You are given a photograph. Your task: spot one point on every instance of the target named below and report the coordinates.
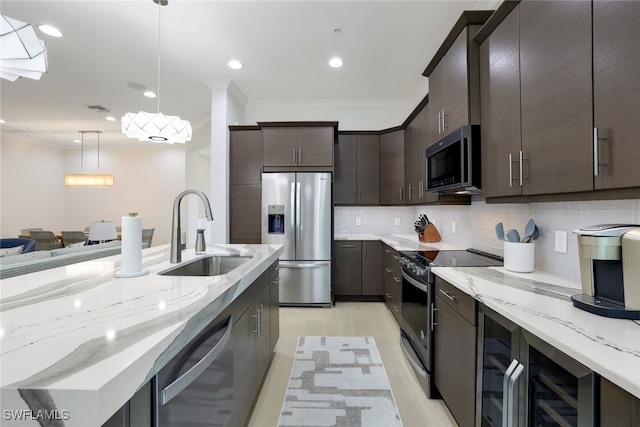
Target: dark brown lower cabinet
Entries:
(348, 273)
(372, 268)
(358, 268)
(455, 351)
(392, 281)
(617, 406)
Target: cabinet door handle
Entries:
(183, 381)
(510, 170)
(396, 308)
(401, 193)
(433, 316)
(410, 196)
(439, 129)
(261, 318)
(347, 246)
(294, 156)
(448, 295)
(506, 397)
(444, 126)
(521, 159)
(387, 270)
(388, 296)
(359, 194)
(299, 155)
(596, 169)
(596, 152)
(397, 279)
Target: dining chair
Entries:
(70, 237)
(26, 231)
(147, 236)
(45, 240)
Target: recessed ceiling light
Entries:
(235, 64)
(336, 63)
(78, 141)
(50, 31)
(2, 121)
(110, 118)
(149, 94)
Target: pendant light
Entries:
(88, 179)
(156, 127)
(22, 54)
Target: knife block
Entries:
(430, 235)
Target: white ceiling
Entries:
(284, 46)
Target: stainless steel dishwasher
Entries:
(196, 387)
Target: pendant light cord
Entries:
(159, 32)
(82, 152)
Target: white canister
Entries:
(519, 257)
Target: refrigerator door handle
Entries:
(313, 264)
(298, 229)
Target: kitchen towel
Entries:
(131, 264)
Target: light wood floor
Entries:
(348, 319)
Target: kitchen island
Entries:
(76, 343)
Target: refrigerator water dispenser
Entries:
(276, 219)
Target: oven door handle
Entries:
(405, 349)
(414, 282)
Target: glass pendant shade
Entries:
(156, 127)
(22, 54)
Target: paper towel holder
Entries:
(128, 274)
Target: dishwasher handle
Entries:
(182, 382)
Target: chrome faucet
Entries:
(176, 232)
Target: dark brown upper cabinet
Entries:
(245, 155)
(500, 133)
(556, 97)
(416, 135)
(392, 191)
(559, 100)
(357, 169)
(454, 98)
(285, 145)
(616, 97)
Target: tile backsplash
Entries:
(474, 225)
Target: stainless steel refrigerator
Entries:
(296, 213)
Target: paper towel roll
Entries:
(131, 265)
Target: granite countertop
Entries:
(399, 242)
(541, 304)
(80, 340)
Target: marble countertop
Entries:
(541, 304)
(399, 242)
(80, 340)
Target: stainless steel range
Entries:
(416, 331)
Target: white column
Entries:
(227, 107)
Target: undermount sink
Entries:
(211, 265)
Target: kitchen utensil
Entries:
(536, 233)
(529, 229)
(513, 235)
(500, 231)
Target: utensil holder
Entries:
(430, 234)
(519, 257)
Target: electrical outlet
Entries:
(358, 221)
(396, 220)
(561, 241)
(453, 227)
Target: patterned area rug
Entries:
(338, 381)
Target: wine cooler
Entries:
(524, 381)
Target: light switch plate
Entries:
(396, 220)
(561, 241)
(358, 221)
(453, 227)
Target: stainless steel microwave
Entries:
(453, 163)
